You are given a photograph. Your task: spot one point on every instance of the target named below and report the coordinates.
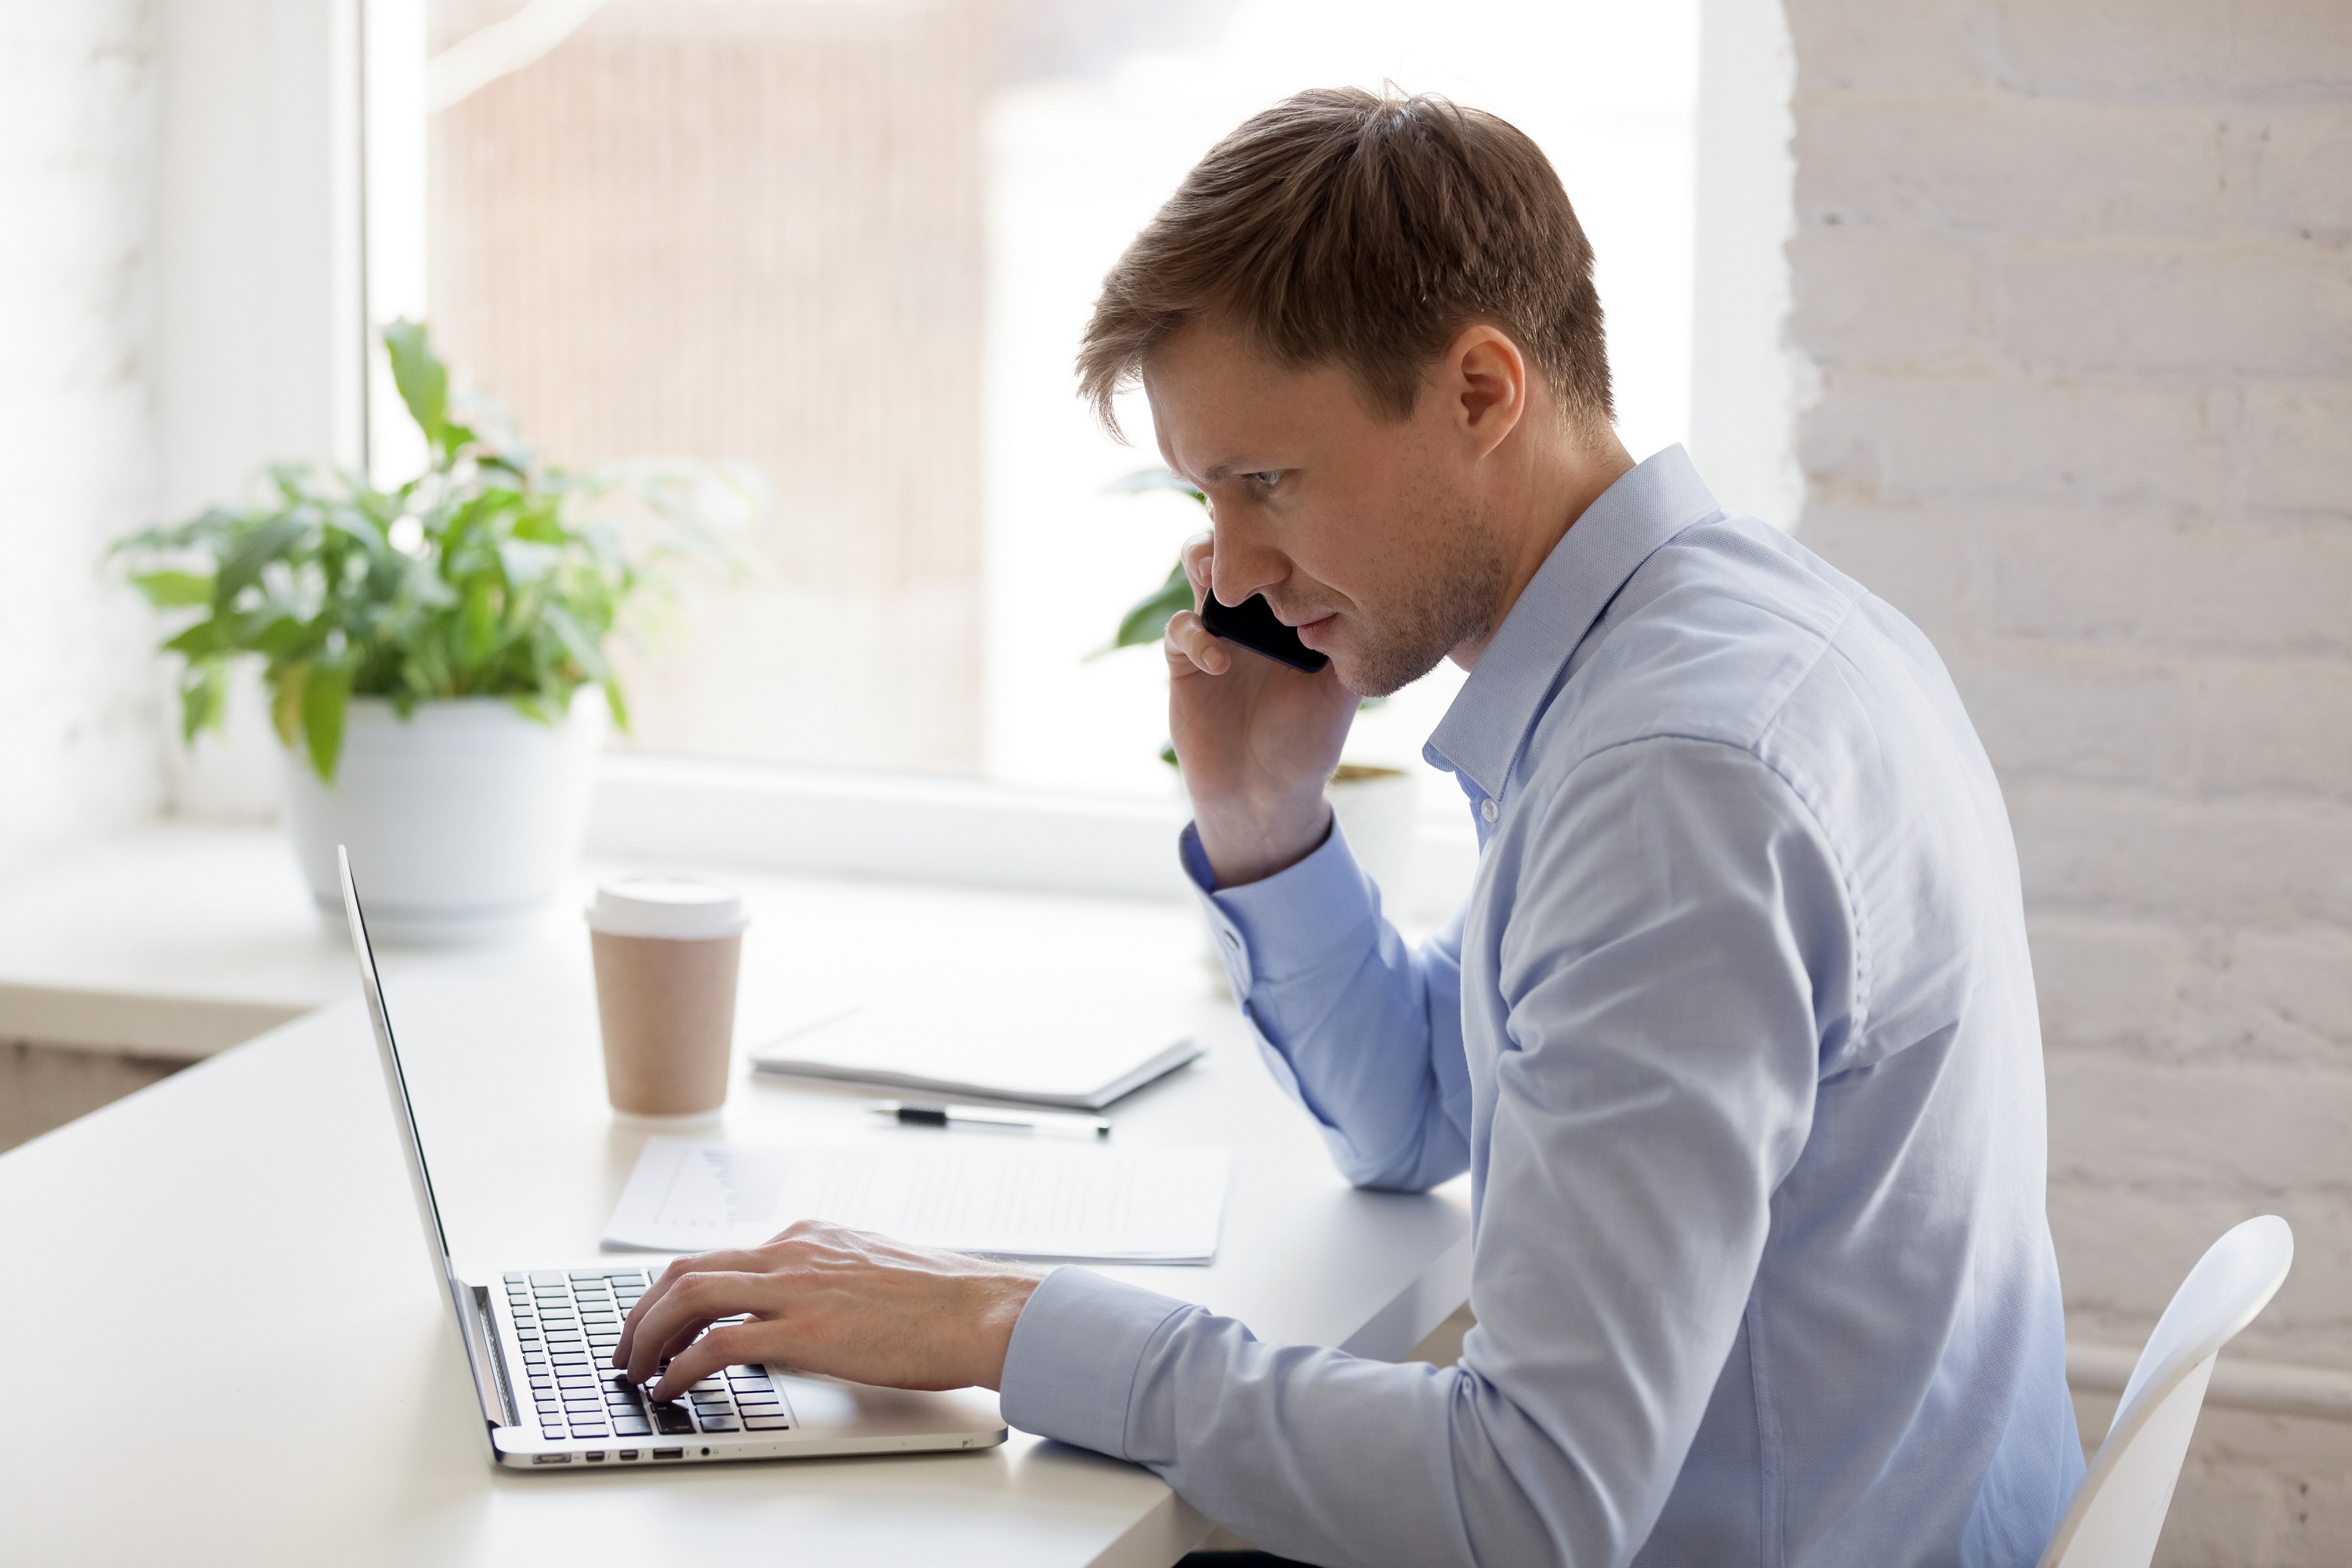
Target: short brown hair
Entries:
(1362, 229)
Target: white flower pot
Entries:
(463, 821)
(1376, 810)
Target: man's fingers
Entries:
(680, 1268)
(693, 1300)
(719, 1348)
(1192, 645)
(1198, 553)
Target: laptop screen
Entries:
(403, 1113)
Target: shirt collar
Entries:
(1481, 734)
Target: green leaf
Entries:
(1147, 621)
(326, 697)
(170, 590)
(282, 637)
(423, 380)
(275, 540)
(576, 642)
(208, 639)
(204, 698)
(286, 684)
(618, 703)
(477, 626)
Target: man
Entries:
(1735, 1036)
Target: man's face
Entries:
(1371, 535)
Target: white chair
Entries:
(2119, 1511)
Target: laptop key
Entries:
(671, 1418)
(632, 1429)
(766, 1423)
(721, 1423)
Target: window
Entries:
(853, 241)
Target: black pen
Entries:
(915, 1113)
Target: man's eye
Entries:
(1266, 478)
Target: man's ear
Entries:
(1485, 377)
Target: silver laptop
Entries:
(540, 1342)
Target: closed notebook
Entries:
(1080, 1054)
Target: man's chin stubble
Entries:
(1460, 610)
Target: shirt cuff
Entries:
(1290, 922)
(1077, 1347)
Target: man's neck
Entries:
(1554, 491)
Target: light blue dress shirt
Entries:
(1736, 1039)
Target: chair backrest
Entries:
(2119, 1511)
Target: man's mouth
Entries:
(1312, 632)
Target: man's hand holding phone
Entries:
(1256, 738)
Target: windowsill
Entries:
(177, 941)
(908, 827)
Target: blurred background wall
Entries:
(2075, 281)
(80, 101)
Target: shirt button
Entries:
(1232, 944)
(1489, 810)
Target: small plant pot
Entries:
(463, 820)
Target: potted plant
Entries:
(434, 654)
(1373, 803)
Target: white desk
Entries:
(230, 1348)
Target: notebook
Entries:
(1080, 1055)
(1064, 1202)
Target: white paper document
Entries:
(1013, 1200)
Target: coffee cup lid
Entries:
(664, 905)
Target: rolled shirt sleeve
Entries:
(1676, 936)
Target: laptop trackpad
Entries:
(818, 1404)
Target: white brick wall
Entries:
(79, 728)
(2076, 276)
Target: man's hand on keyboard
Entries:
(822, 1298)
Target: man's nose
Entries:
(1241, 566)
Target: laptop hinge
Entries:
(482, 1352)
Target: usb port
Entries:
(550, 1458)
(669, 1453)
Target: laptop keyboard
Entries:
(569, 1323)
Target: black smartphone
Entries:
(1252, 624)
